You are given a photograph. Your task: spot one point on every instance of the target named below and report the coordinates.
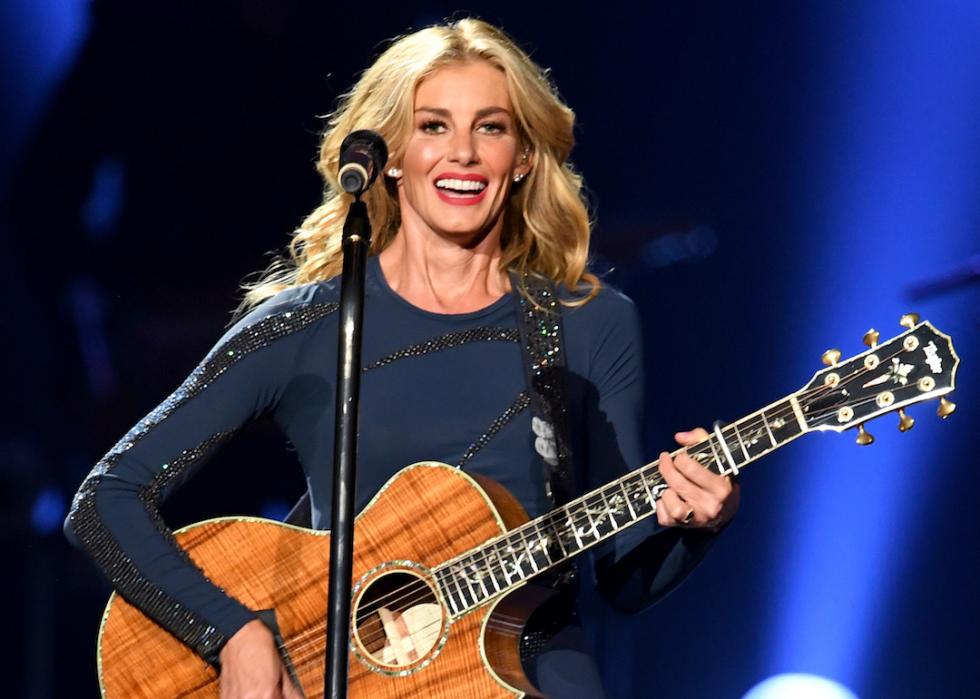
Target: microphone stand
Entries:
(356, 243)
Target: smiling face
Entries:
(462, 155)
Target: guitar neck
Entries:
(917, 365)
(502, 564)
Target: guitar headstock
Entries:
(915, 366)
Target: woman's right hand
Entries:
(251, 667)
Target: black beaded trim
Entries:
(518, 406)
(99, 542)
(447, 341)
(187, 626)
(219, 360)
(152, 494)
(539, 315)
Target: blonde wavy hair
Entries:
(546, 224)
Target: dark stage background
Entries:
(770, 179)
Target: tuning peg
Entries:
(871, 338)
(905, 422)
(946, 408)
(830, 357)
(909, 320)
(864, 437)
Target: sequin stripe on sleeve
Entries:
(122, 572)
(87, 525)
(218, 361)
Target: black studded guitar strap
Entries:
(543, 347)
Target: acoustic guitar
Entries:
(443, 559)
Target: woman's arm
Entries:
(114, 516)
(647, 561)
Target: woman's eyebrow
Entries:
(487, 111)
(445, 113)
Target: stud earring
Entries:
(519, 176)
(394, 172)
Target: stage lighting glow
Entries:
(104, 204)
(48, 511)
(896, 168)
(799, 686)
(673, 248)
(274, 509)
(39, 43)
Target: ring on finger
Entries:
(688, 517)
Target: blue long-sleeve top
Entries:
(433, 387)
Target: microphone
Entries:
(363, 155)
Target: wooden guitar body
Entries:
(427, 514)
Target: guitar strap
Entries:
(539, 321)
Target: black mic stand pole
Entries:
(356, 243)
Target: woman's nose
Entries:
(462, 150)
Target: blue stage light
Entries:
(275, 509)
(38, 44)
(48, 511)
(894, 165)
(799, 686)
(102, 209)
(676, 247)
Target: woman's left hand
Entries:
(696, 497)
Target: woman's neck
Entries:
(442, 275)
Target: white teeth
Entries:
(461, 185)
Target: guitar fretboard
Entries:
(502, 564)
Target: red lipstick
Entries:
(461, 197)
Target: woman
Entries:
(479, 204)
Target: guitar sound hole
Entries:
(397, 619)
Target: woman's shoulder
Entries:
(303, 295)
(601, 332)
(609, 307)
(290, 310)
(298, 298)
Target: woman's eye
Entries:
(433, 126)
(493, 127)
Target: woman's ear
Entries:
(523, 168)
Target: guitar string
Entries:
(702, 448)
(419, 586)
(656, 477)
(486, 550)
(658, 480)
(379, 635)
(369, 639)
(368, 635)
(412, 588)
(489, 564)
